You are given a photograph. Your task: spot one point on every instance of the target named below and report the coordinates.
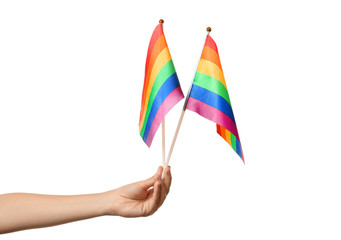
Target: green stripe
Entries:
(166, 71)
(211, 84)
(233, 142)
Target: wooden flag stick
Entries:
(183, 112)
(175, 135)
(163, 144)
(163, 129)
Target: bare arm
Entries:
(19, 211)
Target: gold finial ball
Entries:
(208, 29)
(161, 21)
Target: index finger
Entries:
(167, 178)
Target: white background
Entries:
(71, 76)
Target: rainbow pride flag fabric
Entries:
(209, 96)
(161, 89)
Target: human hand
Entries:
(140, 199)
(21, 211)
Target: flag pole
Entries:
(163, 127)
(183, 110)
(163, 144)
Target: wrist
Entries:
(108, 202)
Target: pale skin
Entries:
(20, 211)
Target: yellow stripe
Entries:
(211, 55)
(211, 69)
(160, 61)
(228, 136)
(159, 45)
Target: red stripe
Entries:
(218, 130)
(210, 43)
(158, 31)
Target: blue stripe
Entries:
(212, 99)
(238, 147)
(167, 87)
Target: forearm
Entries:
(19, 211)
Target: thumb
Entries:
(146, 184)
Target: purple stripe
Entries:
(172, 99)
(212, 114)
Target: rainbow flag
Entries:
(161, 89)
(209, 96)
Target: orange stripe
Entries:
(158, 31)
(224, 133)
(159, 45)
(211, 55)
(161, 60)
